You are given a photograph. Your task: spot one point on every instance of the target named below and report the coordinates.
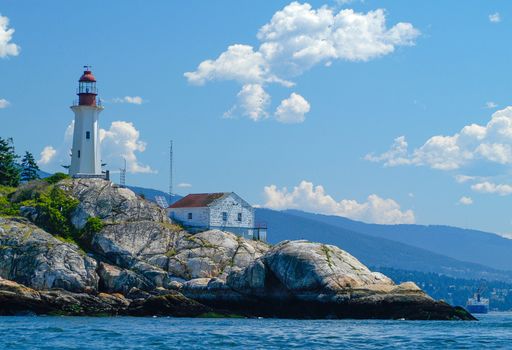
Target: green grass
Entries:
(170, 253)
(327, 252)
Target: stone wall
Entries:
(232, 205)
(200, 216)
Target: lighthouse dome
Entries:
(87, 77)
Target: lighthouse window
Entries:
(78, 153)
(87, 135)
(224, 216)
(239, 216)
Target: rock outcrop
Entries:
(109, 202)
(37, 259)
(301, 279)
(16, 299)
(169, 248)
(140, 263)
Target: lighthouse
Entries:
(85, 152)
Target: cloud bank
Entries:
(296, 39)
(492, 188)
(47, 155)
(136, 100)
(122, 140)
(4, 103)
(7, 48)
(465, 200)
(495, 17)
(472, 144)
(314, 199)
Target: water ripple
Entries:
(129, 333)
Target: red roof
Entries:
(198, 200)
(87, 77)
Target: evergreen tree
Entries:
(29, 168)
(9, 170)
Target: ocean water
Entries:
(493, 331)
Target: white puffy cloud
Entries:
(492, 188)
(312, 198)
(292, 110)
(397, 154)
(491, 105)
(464, 178)
(253, 101)
(239, 62)
(184, 185)
(299, 37)
(491, 143)
(495, 17)
(136, 100)
(465, 200)
(7, 48)
(122, 140)
(47, 155)
(4, 103)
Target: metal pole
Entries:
(170, 171)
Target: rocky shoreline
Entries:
(140, 263)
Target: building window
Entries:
(87, 135)
(239, 216)
(224, 216)
(78, 153)
(190, 216)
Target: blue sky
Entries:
(360, 81)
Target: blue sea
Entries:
(493, 331)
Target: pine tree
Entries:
(29, 168)
(9, 170)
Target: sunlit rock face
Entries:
(35, 258)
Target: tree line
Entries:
(13, 172)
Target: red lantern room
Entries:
(87, 88)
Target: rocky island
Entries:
(90, 247)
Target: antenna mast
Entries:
(122, 175)
(170, 171)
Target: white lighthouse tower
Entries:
(85, 154)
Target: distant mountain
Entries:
(455, 291)
(462, 244)
(372, 250)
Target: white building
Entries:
(85, 152)
(224, 211)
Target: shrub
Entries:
(93, 225)
(30, 191)
(53, 179)
(55, 211)
(7, 208)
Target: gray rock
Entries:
(109, 202)
(211, 254)
(116, 280)
(301, 267)
(18, 299)
(168, 248)
(33, 257)
(30, 213)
